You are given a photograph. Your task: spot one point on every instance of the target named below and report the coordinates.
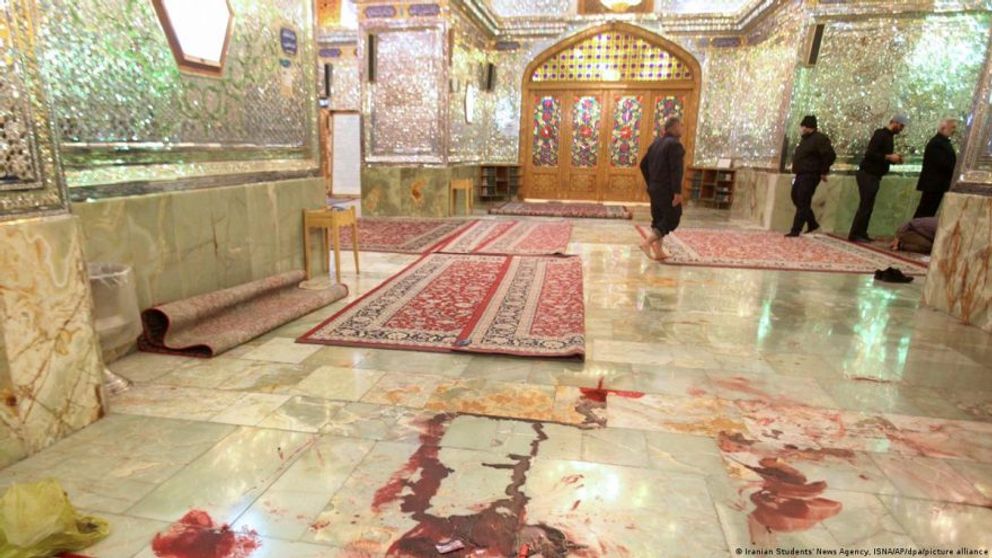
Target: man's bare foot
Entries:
(648, 249)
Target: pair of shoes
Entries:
(892, 275)
(792, 235)
(856, 238)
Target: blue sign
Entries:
(288, 39)
(425, 10)
(380, 11)
(329, 52)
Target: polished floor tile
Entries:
(716, 409)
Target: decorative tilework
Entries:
(613, 57)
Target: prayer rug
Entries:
(511, 237)
(760, 249)
(560, 209)
(404, 235)
(209, 324)
(516, 305)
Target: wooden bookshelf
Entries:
(499, 182)
(711, 186)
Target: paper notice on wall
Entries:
(286, 88)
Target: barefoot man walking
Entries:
(662, 170)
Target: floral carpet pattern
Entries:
(519, 305)
(560, 209)
(404, 235)
(760, 249)
(511, 237)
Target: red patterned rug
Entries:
(404, 235)
(525, 238)
(517, 305)
(561, 209)
(759, 249)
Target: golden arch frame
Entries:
(691, 87)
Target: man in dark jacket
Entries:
(810, 163)
(939, 159)
(879, 155)
(662, 170)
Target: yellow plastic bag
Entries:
(37, 521)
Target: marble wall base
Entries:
(50, 368)
(186, 243)
(766, 198)
(960, 279)
(390, 191)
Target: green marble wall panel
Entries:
(927, 66)
(959, 281)
(769, 202)
(119, 97)
(52, 373)
(391, 191)
(182, 244)
(381, 191)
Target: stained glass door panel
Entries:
(665, 106)
(627, 143)
(586, 131)
(546, 145)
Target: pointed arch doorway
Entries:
(592, 104)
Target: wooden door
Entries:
(627, 140)
(586, 154)
(545, 147)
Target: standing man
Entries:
(879, 156)
(662, 170)
(938, 169)
(811, 164)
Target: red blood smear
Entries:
(498, 528)
(195, 536)
(599, 393)
(786, 501)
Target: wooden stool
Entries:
(331, 221)
(466, 185)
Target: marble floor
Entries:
(717, 409)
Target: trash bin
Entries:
(115, 312)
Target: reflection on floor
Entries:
(717, 408)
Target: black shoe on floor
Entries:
(863, 239)
(892, 275)
(812, 230)
(792, 235)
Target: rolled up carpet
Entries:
(209, 324)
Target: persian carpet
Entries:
(404, 235)
(760, 249)
(209, 324)
(511, 237)
(562, 209)
(517, 305)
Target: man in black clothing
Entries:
(879, 155)
(662, 170)
(938, 169)
(810, 163)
